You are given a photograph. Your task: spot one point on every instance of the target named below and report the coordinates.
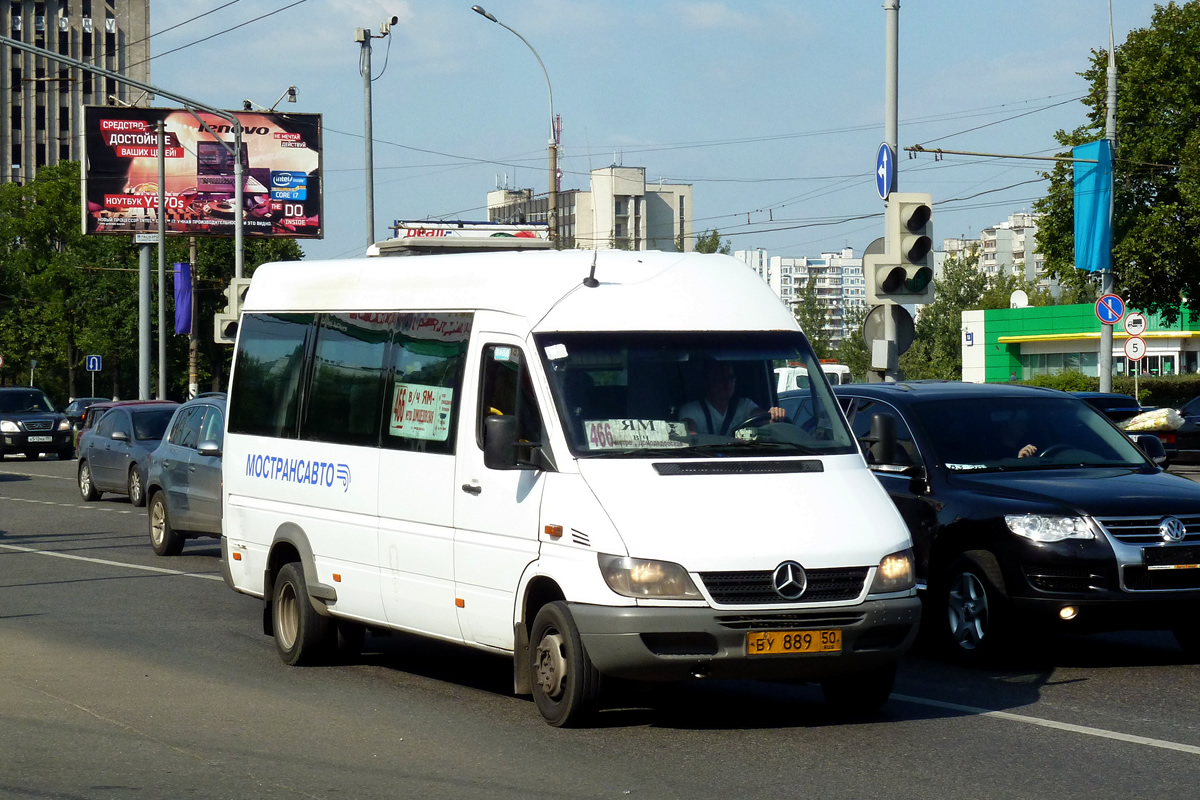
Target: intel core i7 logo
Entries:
(287, 185)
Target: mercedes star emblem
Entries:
(789, 580)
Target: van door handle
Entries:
(469, 489)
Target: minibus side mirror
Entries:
(500, 442)
(1152, 446)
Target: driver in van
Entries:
(721, 410)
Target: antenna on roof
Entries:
(590, 281)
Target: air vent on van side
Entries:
(581, 538)
(736, 467)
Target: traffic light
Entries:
(904, 272)
(225, 323)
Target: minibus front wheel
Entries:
(300, 632)
(566, 686)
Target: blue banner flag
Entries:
(183, 298)
(1093, 206)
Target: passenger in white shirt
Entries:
(720, 411)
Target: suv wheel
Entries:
(975, 613)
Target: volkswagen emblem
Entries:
(1170, 529)
(789, 580)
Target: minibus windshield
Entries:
(685, 394)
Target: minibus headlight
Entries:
(895, 573)
(1048, 528)
(637, 577)
(8, 426)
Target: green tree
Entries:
(711, 243)
(813, 315)
(852, 351)
(1157, 175)
(937, 342)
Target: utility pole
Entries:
(193, 339)
(892, 138)
(1106, 277)
(364, 36)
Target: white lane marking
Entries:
(37, 475)
(69, 505)
(205, 575)
(1049, 723)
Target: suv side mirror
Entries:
(883, 439)
(209, 448)
(1152, 446)
(500, 442)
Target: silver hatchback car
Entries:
(183, 483)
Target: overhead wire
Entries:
(218, 33)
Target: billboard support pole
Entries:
(162, 261)
(144, 322)
(188, 103)
(193, 340)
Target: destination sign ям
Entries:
(280, 156)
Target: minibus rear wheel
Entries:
(300, 632)
(566, 686)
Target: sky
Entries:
(773, 111)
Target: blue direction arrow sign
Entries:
(885, 169)
(93, 363)
(1110, 309)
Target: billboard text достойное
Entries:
(281, 172)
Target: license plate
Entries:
(762, 643)
(40, 439)
(1173, 557)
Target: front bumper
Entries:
(643, 643)
(19, 442)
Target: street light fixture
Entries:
(552, 204)
(290, 94)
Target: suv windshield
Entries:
(686, 394)
(992, 434)
(15, 402)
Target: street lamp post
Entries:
(552, 204)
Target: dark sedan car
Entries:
(76, 410)
(1027, 508)
(29, 425)
(113, 453)
(1186, 439)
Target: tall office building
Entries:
(41, 100)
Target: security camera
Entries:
(386, 27)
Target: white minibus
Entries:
(795, 376)
(572, 459)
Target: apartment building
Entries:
(42, 99)
(837, 280)
(619, 211)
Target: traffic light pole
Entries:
(891, 135)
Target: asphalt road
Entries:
(127, 675)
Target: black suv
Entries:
(1027, 507)
(30, 425)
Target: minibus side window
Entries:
(264, 399)
(427, 363)
(346, 389)
(505, 388)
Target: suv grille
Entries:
(36, 426)
(751, 588)
(1144, 530)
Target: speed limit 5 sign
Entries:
(1135, 348)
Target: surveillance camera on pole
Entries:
(903, 273)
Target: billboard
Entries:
(281, 173)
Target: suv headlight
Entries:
(637, 577)
(895, 573)
(8, 426)
(1048, 528)
(64, 424)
